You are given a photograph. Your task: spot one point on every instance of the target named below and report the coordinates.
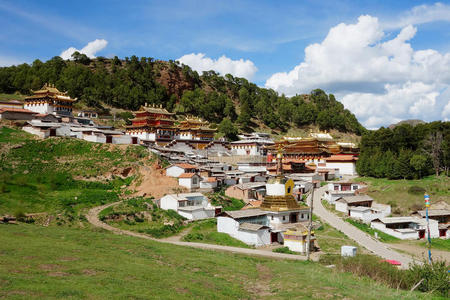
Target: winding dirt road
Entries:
(92, 217)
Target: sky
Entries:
(386, 61)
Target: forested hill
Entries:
(133, 81)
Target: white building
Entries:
(189, 180)
(297, 240)
(343, 204)
(346, 164)
(178, 169)
(249, 226)
(208, 183)
(192, 206)
(406, 228)
(367, 214)
(338, 190)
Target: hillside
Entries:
(127, 84)
(62, 176)
(69, 263)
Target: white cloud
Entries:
(379, 80)
(223, 65)
(420, 15)
(90, 49)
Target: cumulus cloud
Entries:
(90, 49)
(380, 80)
(223, 65)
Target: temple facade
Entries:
(153, 124)
(49, 100)
(195, 129)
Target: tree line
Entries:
(405, 152)
(230, 102)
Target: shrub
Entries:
(416, 190)
(435, 277)
(284, 250)
(191, 237)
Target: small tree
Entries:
(434, 142)
(419, 163)
(227, 128)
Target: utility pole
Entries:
(427, 204)
(308, 250)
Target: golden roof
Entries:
(154, 110)
(50, 91)
(280, 203)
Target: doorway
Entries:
(293, 217)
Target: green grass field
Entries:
(142, 215)
(60, 176)
(73, 263)
(406, 196)
(438, 244)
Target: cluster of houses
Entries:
(280, 217)
(349, 198)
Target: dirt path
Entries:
(420, 252)
(365, 240)
(92, 217)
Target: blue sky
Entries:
(262, 40)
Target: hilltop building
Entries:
(49, 100)
(153, 124)
(195, 129)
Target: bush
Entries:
(284, 250)
(435, 277)
(416, 190)
(193, 237)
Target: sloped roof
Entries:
(355, 199)
(187, 175)
(251, 226)
(20, 110)
(186, 166)
(434, 212)
(247, 213)
(341, 158)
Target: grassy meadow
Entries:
(142, 215)
(406, 196)
(60, 176)
(73, 263)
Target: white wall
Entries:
(36, 131)
(40, 108)
(174, 171)
(275, 189)
(295, 245)
(341, 206)
(345, 168)
(167, 202)
(124, 139)
(198, 214)
(242, 149)
(231, 227)
(188, 182)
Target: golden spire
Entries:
(280, 160)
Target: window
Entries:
(289, 190)
(271, 217)
(284, 218)
(194, 180)
(355, 187)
